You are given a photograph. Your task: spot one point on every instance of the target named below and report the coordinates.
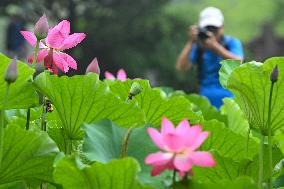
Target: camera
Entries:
(202, 34)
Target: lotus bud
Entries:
(135, 89)
(93, 67)
(274, 74)
(41, 28)
(11, 74)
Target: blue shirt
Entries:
(209, 76)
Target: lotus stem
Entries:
(270, 138)
(68, 146)
(261, 154)
(43, 115)
(124, 147)
(28, 119)
(35, 53)
(43, 186)
(174, 178)
(2, 134)
(247, 147)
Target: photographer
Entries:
(207, 46)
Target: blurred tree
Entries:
(278, 17)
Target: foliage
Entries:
(97, 146)
(21, 93)
(239, 183)
(250, 21)
(103, 126)
(118, 174)
(202, 104)
(251, 85)
(227, 142)
(85, 99)
(149, 44)
(235, 117)
(155, 104)
(30, 157)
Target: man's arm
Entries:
(183, 63)
(215, 46)
(226, 54)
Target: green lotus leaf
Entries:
(21, 93)
(86, 99)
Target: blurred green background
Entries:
(145, 36)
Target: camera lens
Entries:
(202, 33)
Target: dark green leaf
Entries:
(202, 104)
(27, 155)
(117, 174)
(103, 142)
(228, 143)
(229, 169)
(21, 93)
(239, 183)
(85, 98)
(155, 103)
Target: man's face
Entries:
(217, 31)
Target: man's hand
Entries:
(211, 42)
(193, 33)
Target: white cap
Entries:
(211, 16)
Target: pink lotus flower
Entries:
(178, 147)
(57, 40)
(11, 74)
(121, 75)
(41, 28)
(93, 67)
